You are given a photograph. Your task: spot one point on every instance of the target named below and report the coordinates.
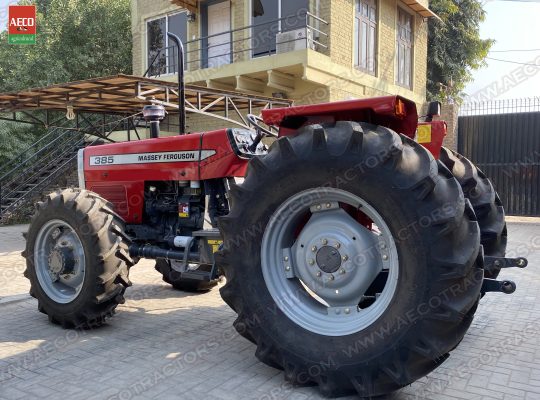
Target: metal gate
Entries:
(503, 139)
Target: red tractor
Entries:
(354, 256)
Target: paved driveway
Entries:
(166, 344)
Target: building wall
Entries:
(329, 74)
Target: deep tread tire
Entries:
(438, 244)
(486, 204)
(173, 278)
(101, 232)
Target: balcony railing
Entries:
(252, 41)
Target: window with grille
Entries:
(404, 48)
(365, 35)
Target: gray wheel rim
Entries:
(319, 276)
(59, 261)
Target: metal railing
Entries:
(502, 106)
(37, 167)
(197, 54)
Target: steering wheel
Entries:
(255, 121)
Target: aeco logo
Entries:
(22, 25)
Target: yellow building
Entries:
(311, 51)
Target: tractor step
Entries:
(198, 275)
(493, 285)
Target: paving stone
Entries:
(163, 341)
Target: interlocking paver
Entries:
(164, 344)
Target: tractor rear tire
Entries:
(77, 237)
(435, 253)
(173, 278)
(486, 204)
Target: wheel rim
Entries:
(321, 275)
(59, 261)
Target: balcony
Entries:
(262, 58)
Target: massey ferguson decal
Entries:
(151, 158)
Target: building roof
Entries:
(126, 94)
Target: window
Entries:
(271, 17)
(404, 48)
(159, 61)
(365, 35)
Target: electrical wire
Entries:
(512, 50)
(512, 62)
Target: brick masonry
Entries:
(347, 82)
(449, 113)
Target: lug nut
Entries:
(311, 262)
(342, 271)
(314, 249)
(338, 245)
(331, 277)
(345, 258)
(338, 311)
(347, 311)
(337, 291)
(319, 274)
(318, 207)
(286, 258)
(287, 268)
(383, 245)
(328, 205)
(385, 257)
(324, 241)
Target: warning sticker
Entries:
(423, 134)
(215, 244)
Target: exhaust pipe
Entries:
(153, 114)
(181, 83)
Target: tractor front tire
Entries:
(486, 203)
(77, 259)
(310, 197)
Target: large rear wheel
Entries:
(486, 204)
(351, 258)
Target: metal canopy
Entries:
(126, 94)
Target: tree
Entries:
(454, 47)
(77, 39)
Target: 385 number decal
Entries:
(102, 160)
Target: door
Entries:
(219, 47)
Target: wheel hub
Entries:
(328, 259)
(346, 263)
(319, 271)
(61, 261)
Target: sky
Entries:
(515, 25)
